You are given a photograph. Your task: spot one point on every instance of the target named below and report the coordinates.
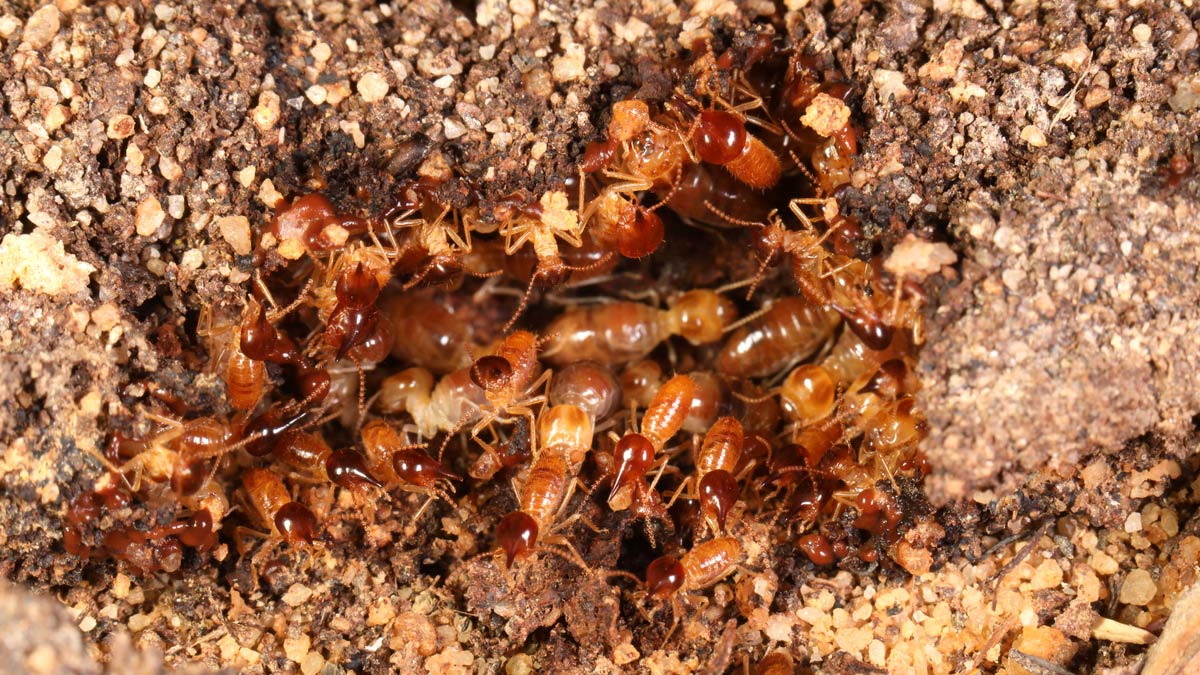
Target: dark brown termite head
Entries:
(598, 154)
(418, 468)
(188, 477)
(870, 328)
(817, 548)
(357, 287)
(262, 342)
(516, 534)
(491, 373)
(551, 272)
(664, 577)
(296, 523)
(718, 493)
(632, 456)
(263, 431)
(442, 270)
(348, 469)
(314, 382)
(197, 531)
(350, 327)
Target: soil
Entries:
(1050, 144)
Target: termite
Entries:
(565, 432)
(272, 507)
(620, 332)
(542, 225)
(714, 484)
(791, 330)
(703, 566)
(406, 465)
(635, 452)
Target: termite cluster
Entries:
(605, 347)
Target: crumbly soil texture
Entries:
(1051, 144)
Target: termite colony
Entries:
(381, 354)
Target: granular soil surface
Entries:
(1050, 144)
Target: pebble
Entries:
(266, 113)
(297, 594)
(53, 158)
(149, 216)
(296, 648)
(236, 231)
(372, 87)
(42, 26)
(1033, 136)
(1138, 588)
(316, 94)
(120, 126)
(192, 259)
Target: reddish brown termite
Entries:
(565, 433)
(708, 562)
(619, 332)
(406, 465)
(272, 507)
(714, 483)
(636, 452)
(792, 329)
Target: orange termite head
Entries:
(639, 231)
(491, 373)
(718, 492)
(664, 577)
(348, 469)
(516, 534)
(197, 531)
(633, 455)
(296, 523)
(719, 136)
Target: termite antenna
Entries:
(458, 426)
(524, 302)
(736, 221)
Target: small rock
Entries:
(266, 114)
(1187, 95)
(945, 64)
(889, 86)
(1141, 33)
(312, 663)
(1033, 136)
(415, 631)
(191, 259)
(1047, 575)
(236, 231)
(120, 126)
(570, 66)
(372, 87)
(316, 94)
(826, 114)
(453, 128)
(297, 594)
(42, 26)
(105, 317)
(296, 648)
(53, 158)
(149, 216)
(1138, 588)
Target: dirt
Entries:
(1047, 143)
